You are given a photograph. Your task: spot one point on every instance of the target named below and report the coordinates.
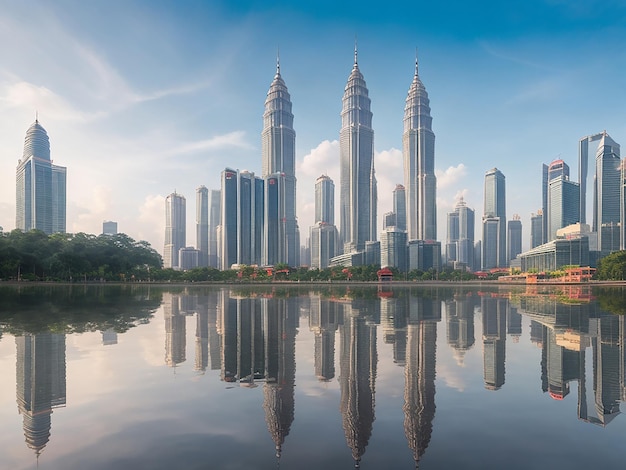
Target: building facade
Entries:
(399, 206)
(202, 225)
(241, 227)
(358, 196)
(175, 229)
(607, 184)
(563, 204)
(40, 186)
(494, 218)
(418, 148)
(109, 227)
(393, 249)
(215, 211)
(514, 237)
(278, 141)
(325, 200)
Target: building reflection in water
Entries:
(494, 310)
(460, 325)
(419, 373)
(258, 345)
(41, 387)
(358, 360)
(281, 321)
(565, 332)
(175, 329)
(323, 322)
(109, 337)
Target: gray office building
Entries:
(514, 237)
(563, 204)
(242, 211)
(399, 206)
(494, 218)
(175, 229)
(279, 160)
(215, 211)
(202, 225)
(358, 197)
(418, 148)
(40, 186)
(109, 227)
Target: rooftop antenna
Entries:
(355, 52)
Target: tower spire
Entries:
(356, 62)
(278, 61)
(416, 63)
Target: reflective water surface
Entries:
(142, 377)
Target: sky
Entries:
(144, 98)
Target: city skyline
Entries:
(132, 126)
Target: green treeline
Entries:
(36, 256)
(81, 257)
(612, 267)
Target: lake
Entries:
(294, 377)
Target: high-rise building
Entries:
(215, 200)
(279, 160)
(202, 225)
(418, 148)
(514, 237)
(494, 218)
(393, 249)
(389, 220)
(40, 186)
(175, 228)
(241, 227)
(460, 239)
(325, 200)
(109, 227)
(358, 197)
(536, 229)
(563, 204)
(323, 244)
(399, 206)
(606, 210)
(323, 235)
(556, 169)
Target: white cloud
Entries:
(232, 139)
(450, 176)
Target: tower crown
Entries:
(36, 143)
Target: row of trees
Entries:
(34, 255)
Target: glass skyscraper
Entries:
(358, 197)
(202, 225)
(40, 189)
(175, 229)
(325, 200)
(606, 213)
(399, 206)
(214, 222)
(279, 160)
(323, 234)
(418, 148)
(494, 243)
(563, 204)
(241, 228)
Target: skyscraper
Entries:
(323, 234)
(214, 221)
(109, 227)
(563, 204)
(393, 249)
(40, 186)
(514, 238)
(358, 198)
(202, 225)
(494, 220)
(241, 225)
(606, 208)
(279, 160)
(175, 228)
(418, 148)
(325, 200)
(460, 240)
(399, 206)
(536, 229)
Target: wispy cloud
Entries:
(236, 139)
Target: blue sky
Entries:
(143, 98)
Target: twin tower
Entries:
(258, 223)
